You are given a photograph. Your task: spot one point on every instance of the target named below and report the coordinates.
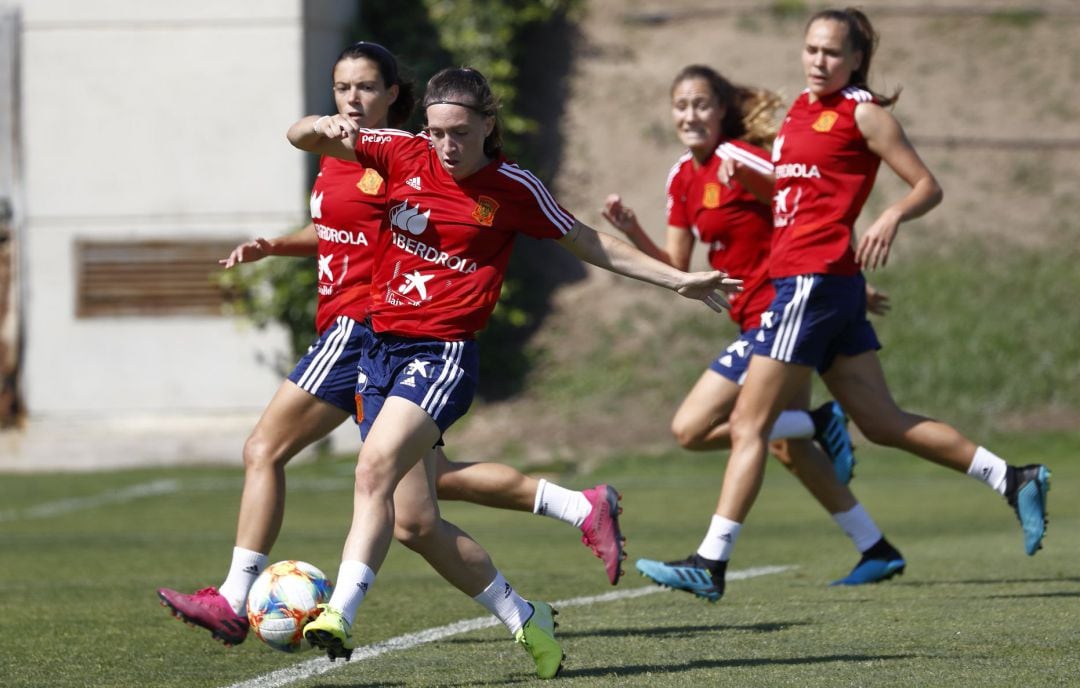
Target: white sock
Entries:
(354, 579)
(568, 506)
(989, 468)
(720, 539)
(245, 568)
(858, 526)
(502, 600)
(792, 425)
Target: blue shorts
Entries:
(814, 319)
(328, 370)
(735, 359)
(439, 377)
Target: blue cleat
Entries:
(695, 574)
(830, 431)
(879, 563)
(1026, 488)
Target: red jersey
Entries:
(347, 204)
(444, 244)
(734, 225)
(824, 172)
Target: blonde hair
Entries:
(759, 107)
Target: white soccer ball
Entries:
(283, 599)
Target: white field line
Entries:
(322, 665)
(66, 506)
(153, 489)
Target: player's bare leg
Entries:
(595, 511)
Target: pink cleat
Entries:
(209, 610)
(600, 531)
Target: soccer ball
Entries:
(283, 599)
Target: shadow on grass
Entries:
(640, 669)
(648, 631)
(990, 581)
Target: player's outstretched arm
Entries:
(302, 243)
(333, 135)
(608, 252)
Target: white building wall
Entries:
(146, 119)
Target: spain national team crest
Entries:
(484, 212)
(825, 121)
(711, 198)
(370, 183)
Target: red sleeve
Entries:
(537, 214)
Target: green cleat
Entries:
(538, 637)
(330, 632)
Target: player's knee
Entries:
(373, 478)
(743, 428)
(259, 453)
(687, 433)
(415, 532)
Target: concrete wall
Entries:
(147, 120)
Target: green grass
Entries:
(79, 607)
(977, 335)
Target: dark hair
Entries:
(402, 108)
(749, 113)
(468, 88)
(862, 38)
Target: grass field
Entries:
(81, 555)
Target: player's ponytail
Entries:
(863, 38)
(468, 88)
(758, 107)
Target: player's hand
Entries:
(728, 171)
(873, 247)
(336, 127)
(877, 302)
(247, 252)
(710, 287)
(618, 215)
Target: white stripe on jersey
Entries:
(675, 170)
(754, 162)
(858, 94)
(791, 320)
(388, 132)
(559, 217)
(332, 348)
(439, 393)
(671, 177)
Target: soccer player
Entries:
(826, 156)
(725, 129)
(347, 204)
(455, 206)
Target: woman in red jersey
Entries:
(826, 156)
(347, 205)
(455, 205)
(725, 129)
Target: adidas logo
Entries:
(414, 182)
(409, 382)
(252, 569)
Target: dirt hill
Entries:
(989, 99)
